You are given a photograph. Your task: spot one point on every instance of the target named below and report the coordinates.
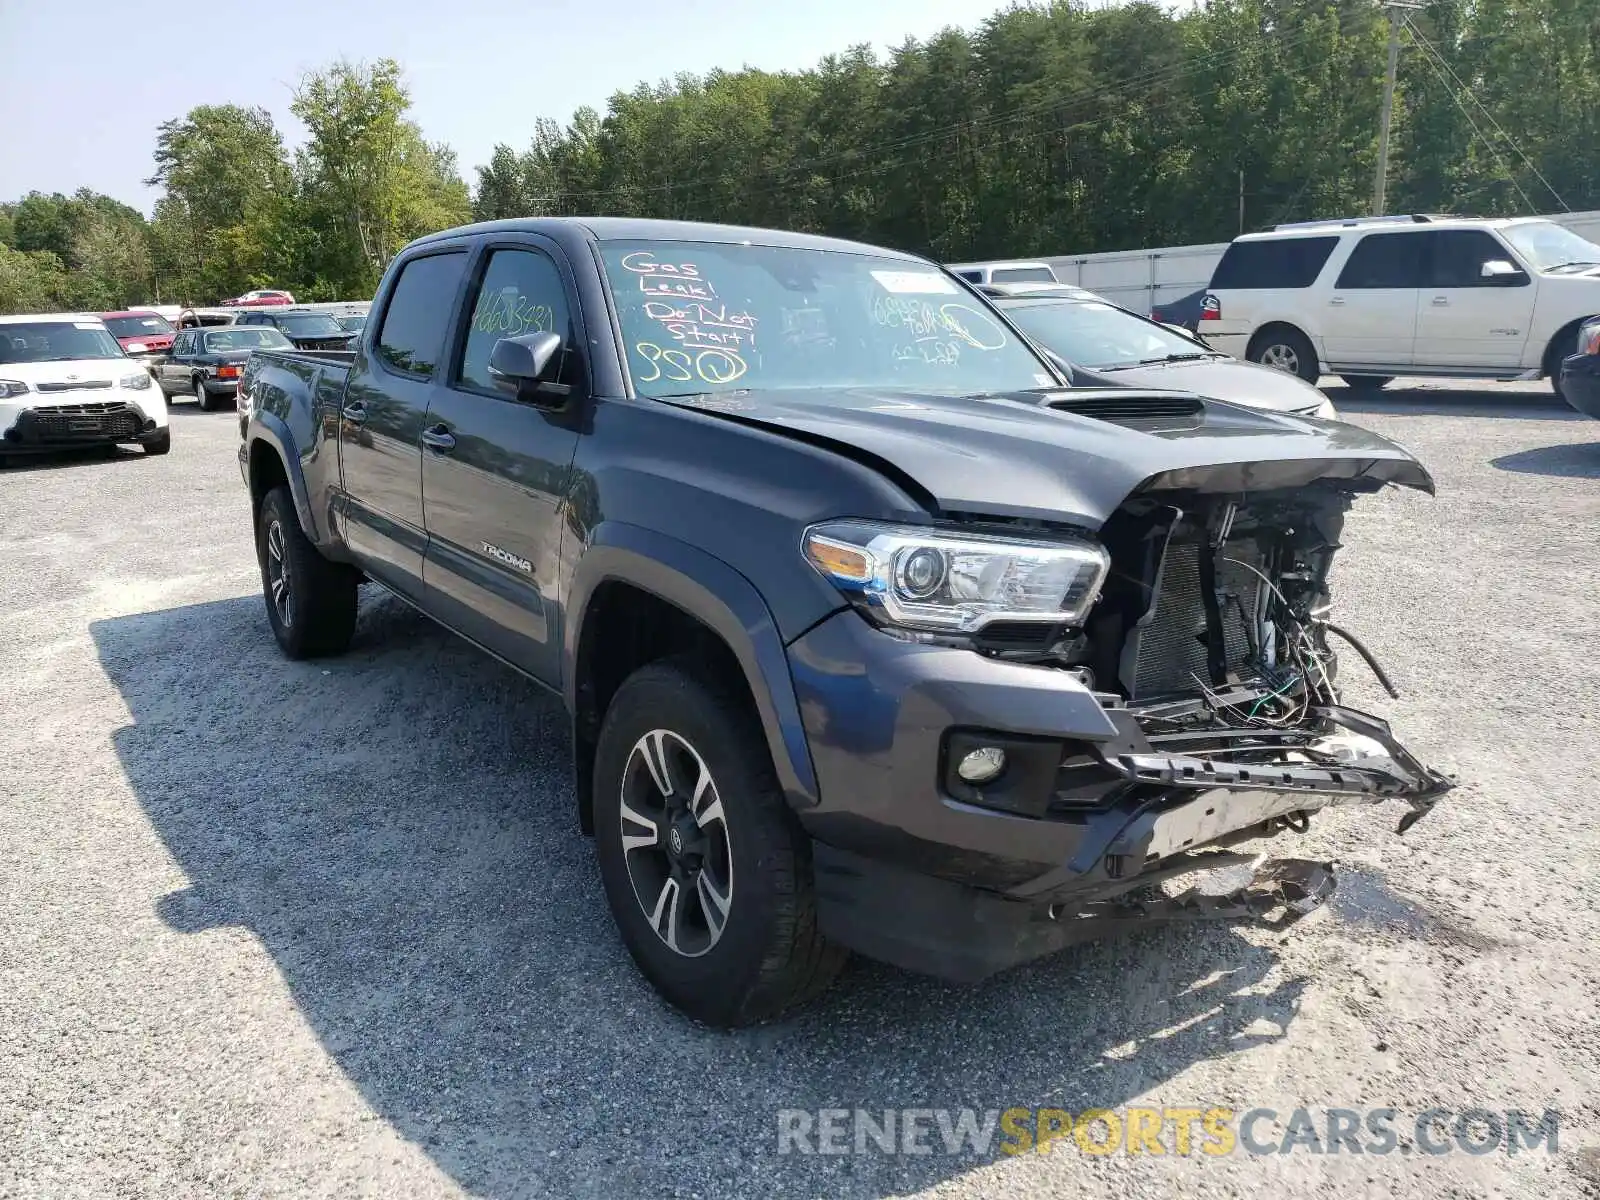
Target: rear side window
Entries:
(1385, 260)
(1280, 263)
(1023, 275)
(412, 337)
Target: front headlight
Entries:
(137, 382)
(1589, 338)
(944, 580)
(11, 388)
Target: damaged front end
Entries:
(1212, 653)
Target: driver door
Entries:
(496, 470)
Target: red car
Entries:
(261, 299)
(140, 334)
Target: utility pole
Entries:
(1396, 10)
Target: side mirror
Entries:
(523, 365)
(1501, 273)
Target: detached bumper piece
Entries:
(77, 425)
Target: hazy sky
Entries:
(86, 82)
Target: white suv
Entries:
(65, 382)
(1377, 297)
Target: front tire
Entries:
(1285, 349)
(706, 871)
(311, 602)
(160, 443)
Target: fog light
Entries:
(982, 765)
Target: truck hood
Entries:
(1072, 454)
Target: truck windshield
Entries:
(705, 316)
(1547, 245)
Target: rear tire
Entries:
(1367, 383)
(1285, 348)
(201, 396)
(311, 602)
(738, 855)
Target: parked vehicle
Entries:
(1580, 373)
(1186, 312)
(197, 318)
(207, 363)
(351, 322)
(1104, 345)
(260, 299)
(308, 330)
(65, 382)
(145, 336)
(1005, 272)
(1374, 298)
(874, 635)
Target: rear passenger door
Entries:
(495, 469)
(1371, 317)
(1465, 320)
(381, 414)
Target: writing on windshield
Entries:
(704, 316)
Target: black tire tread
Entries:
(799, 963)
(1367, 383)
(324, 591)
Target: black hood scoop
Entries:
(1134, 410)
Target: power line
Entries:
(1444, 83)
(1429, 48)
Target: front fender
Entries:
(725, 601)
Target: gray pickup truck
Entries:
(875, 635)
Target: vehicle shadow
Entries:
(55, 460)
(1451, 402)
(396, 828)
(1572, 460)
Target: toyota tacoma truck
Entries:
(875, 636)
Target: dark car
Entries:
(874, 635)
(1580, 372)
(207, 363)
(1107, 346)
(1187, 312)
(308, 329)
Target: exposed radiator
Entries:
(1170, 652)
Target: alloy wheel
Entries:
(1281, 357)
(675, 843)
(278, 576)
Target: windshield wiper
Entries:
(1562, 266)
(1160, 358)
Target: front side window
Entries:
(521, 293)
(701, 316)
(1385, 260)
(1458, 256)
(56, 341)
(1272, 263)
(412, 336)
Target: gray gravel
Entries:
(280, 929)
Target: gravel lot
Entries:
(279, 929)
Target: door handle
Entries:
(438, 437)
(1441, 301)
(354, 411)
(1337, 300)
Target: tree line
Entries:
(1050, 128)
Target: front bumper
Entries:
(918, 869)
(1580, 383)
(43, 428)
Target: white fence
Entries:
(1142, 279)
